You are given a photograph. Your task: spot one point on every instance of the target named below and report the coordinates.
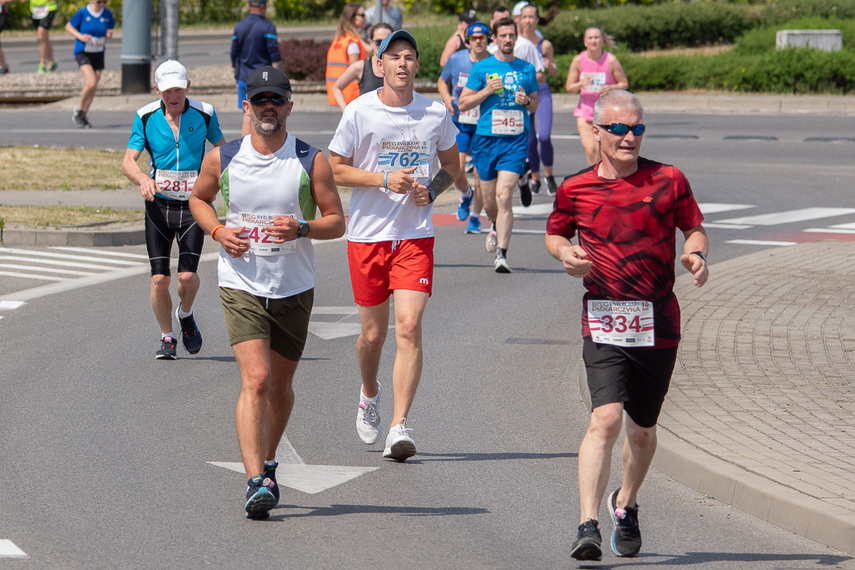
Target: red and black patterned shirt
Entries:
(627, 226)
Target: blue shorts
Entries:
(491, 154)
(241, 87)
(464, 137)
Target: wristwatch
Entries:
(303, 230)
(699, 254)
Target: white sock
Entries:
(182, 314)
(169, 334)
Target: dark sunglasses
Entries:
(359, 14)
(276, 101)
(378, 43)
(620, 129)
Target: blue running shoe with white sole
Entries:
(464, 205)
(259, 497)
(474, 226)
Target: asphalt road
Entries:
(108, 456)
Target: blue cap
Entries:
(398, 35)
(478, 28)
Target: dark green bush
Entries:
(785, 10)
(431, 41)
(760, 41)
(304, 59)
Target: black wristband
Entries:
(699, 254)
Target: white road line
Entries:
(54, 262)
(110, 253)
(726, 226)
(47, 269)
(761, 242)
(31, 276)
(789, 217)
(11, 305)
(66, 256)
(718, 207)
(830, 230)
(8, 549)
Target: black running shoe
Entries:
(535, 187)
(588, 541)
(84, 122)
(270, 473)
(525, 194)
(167, 349)
(259, 497)
(190, 335)
(626, 537)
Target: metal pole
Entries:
(136, 46)
(170, 29)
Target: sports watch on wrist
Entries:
(303, 230)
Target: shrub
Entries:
(304, 59)
(431, 41)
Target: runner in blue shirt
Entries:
(506, 89)
(174, 131)
(91, 27)
(450, 85)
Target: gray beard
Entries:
(266, 129)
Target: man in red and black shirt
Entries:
(626, 211)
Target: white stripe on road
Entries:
(830, 230)
(65, 256)
(718, 207)
(11, 305)
(789, 217)
(46, 269)
(8, 549)
(726, 226)
(761, 242)
(53, 262)
(31, 276)
(95, 251)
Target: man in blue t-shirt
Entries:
(506, 89)
(454, 76)
(173, 131)
(254, 45)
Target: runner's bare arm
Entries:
(398, 181)
(445, 93)
(469, 98)
(449, 161)
(202, 206)
(694, 254)
(331, 224)
(573, 257)
(351, 74)
(134, 173)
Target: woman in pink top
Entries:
(593, 72)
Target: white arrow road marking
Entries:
(338, 328)
(294, 473)
(8, 549)
(718, 207)
(533, 210)
(789, 217)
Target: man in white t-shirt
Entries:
(384, 148)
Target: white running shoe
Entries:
(500, 265)
(368, 418)
(399, 444)
(492, 239)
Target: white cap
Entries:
(517, 11)
(170, 74)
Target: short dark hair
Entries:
(502, 23)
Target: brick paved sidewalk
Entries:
(761, 411)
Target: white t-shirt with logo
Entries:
(381, 138)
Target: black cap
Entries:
(268, 79)
(468, 16)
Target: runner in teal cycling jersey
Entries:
(174, 132)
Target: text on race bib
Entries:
(259, 242)
(471, 116)
(395, 155)
(598, 80)
(40, 12)
(507, 122)
(175, 184)
(95, 45)
(621, 323)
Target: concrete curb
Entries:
(754, 494)
(72, 237)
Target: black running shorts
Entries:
(167, 220)
(45, 22)
(284, 321)
(96, 60)
(638, 377)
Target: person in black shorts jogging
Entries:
(625, 210)
(173, 131)
(91, 26)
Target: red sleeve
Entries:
(562, 220)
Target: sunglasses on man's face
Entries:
(621, 129)
(378, 43)
(275, 101)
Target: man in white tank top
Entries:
(384, 148)
(273, 184)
